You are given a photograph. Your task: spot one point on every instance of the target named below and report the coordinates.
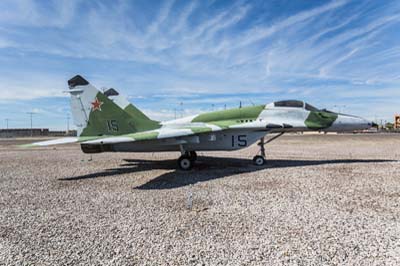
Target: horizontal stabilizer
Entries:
(51, 142)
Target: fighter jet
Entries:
(107, 122)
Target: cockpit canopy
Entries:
(296, 104)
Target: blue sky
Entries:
(200, 55)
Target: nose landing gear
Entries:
(259, 160)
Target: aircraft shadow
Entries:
(205, 169)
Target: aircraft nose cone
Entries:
(366, 124)
(350, 123)
(369, 123)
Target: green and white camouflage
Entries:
(107, 122)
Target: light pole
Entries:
(31, 115)
(68, 124)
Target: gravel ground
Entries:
(321, 200)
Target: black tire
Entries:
(258, 160)
(185, 163)
(193, 156)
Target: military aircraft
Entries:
(107, 122)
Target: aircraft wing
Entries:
(158, 134)
(164, 133)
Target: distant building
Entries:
(34, 132)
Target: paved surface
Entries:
(321, 200)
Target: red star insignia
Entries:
(96, 105)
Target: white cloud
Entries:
(186, 49)
(181, 24)
(162, 17)
(30, 13)
(262, 32)
(31, 87)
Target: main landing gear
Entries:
(259, 160)
(187, 159)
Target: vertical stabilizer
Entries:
(96, 115)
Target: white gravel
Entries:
(321, 200)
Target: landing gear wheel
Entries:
(185, 163)
(259, 160)
(193, 156)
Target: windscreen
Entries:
(290, 103)
(309, 107)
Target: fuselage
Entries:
(244, 126)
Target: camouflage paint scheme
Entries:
(111, 123)
(318, 120)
